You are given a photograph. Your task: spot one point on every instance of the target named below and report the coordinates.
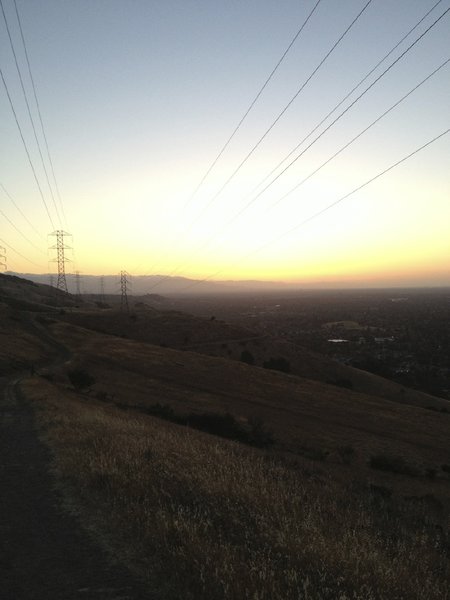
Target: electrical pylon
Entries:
(78, 283)
(2, 257)
(102, 289)
(124, 283)
(60, 246)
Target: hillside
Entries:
(213, 337)
(213, 479)
(307, 418)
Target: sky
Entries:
(138, 97)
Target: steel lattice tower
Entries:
(124, 283)
(78, 283)
(60, 246)
(102, 289)
(3, 257)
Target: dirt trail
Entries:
(44, 553)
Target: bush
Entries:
(278, 364)
(346, 453)
(258, 435)
(224, 425)
(163, 411)
(313, 453)
(393, 464)
(80, 379)
(247, 357)
(341, 382)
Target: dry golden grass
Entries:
(19, 348)
(180, 330)
(204, 518)
(300, 412)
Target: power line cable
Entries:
(316, 139)
(40, 114)
(20, 211)
(252, 104)
(328, 207)
(256, 98)
(19, 254)
(333, 110)
(29, 110)
(301, 88)
(441, 66)
(21, 232)
(237, 215)
(273, 124)
(26, 149)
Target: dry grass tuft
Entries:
(204, 518)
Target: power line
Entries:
(329, 206)
(28, 109)
(344, 147)
(301, 88)
(20, 211)
(39, 113)
(26, 149)
(357, 189)
(210, 168)
(19, 254)
(271, 126)
(333, 110)
(3, 257)
(20, 232)
(239, 213)
(316, 139)
(411, 91)
(214, 162)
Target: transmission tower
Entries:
(102, 289)
(2, 257)
(78, 284)
(124, 284)
(60, 246)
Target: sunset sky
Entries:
(138, 97)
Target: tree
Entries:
(80, 379)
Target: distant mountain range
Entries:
(158, 284)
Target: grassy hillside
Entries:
(214, 479)
(217, 338)
(19, 348)
(199, 517)
(307, 418)
(22, 294)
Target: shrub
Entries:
(259, 435)
(278, 364)
(346, 453)
(163, 411)
(341, 382)
(80, 379)
(393, 464)
(313, 453)
(224, 425)
(431, 473)
(247, 357)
